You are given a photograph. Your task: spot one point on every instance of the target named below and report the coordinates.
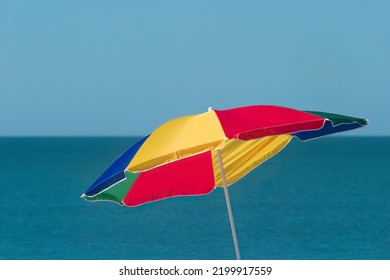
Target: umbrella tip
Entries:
(210, 108)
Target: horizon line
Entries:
(124, 136)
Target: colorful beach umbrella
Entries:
(194, 154)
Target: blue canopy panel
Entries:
(327, 129)
(116, 171)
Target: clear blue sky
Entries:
(124, 67)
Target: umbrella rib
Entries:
(229, 207)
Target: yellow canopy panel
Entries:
(179, 138)
(240, 157)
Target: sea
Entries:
(326, 199)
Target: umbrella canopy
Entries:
(184, 156)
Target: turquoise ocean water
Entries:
(324, 199)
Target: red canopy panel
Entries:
(189, 176)
(253, 122)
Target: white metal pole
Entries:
(229, 207)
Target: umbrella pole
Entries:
(229, 207)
